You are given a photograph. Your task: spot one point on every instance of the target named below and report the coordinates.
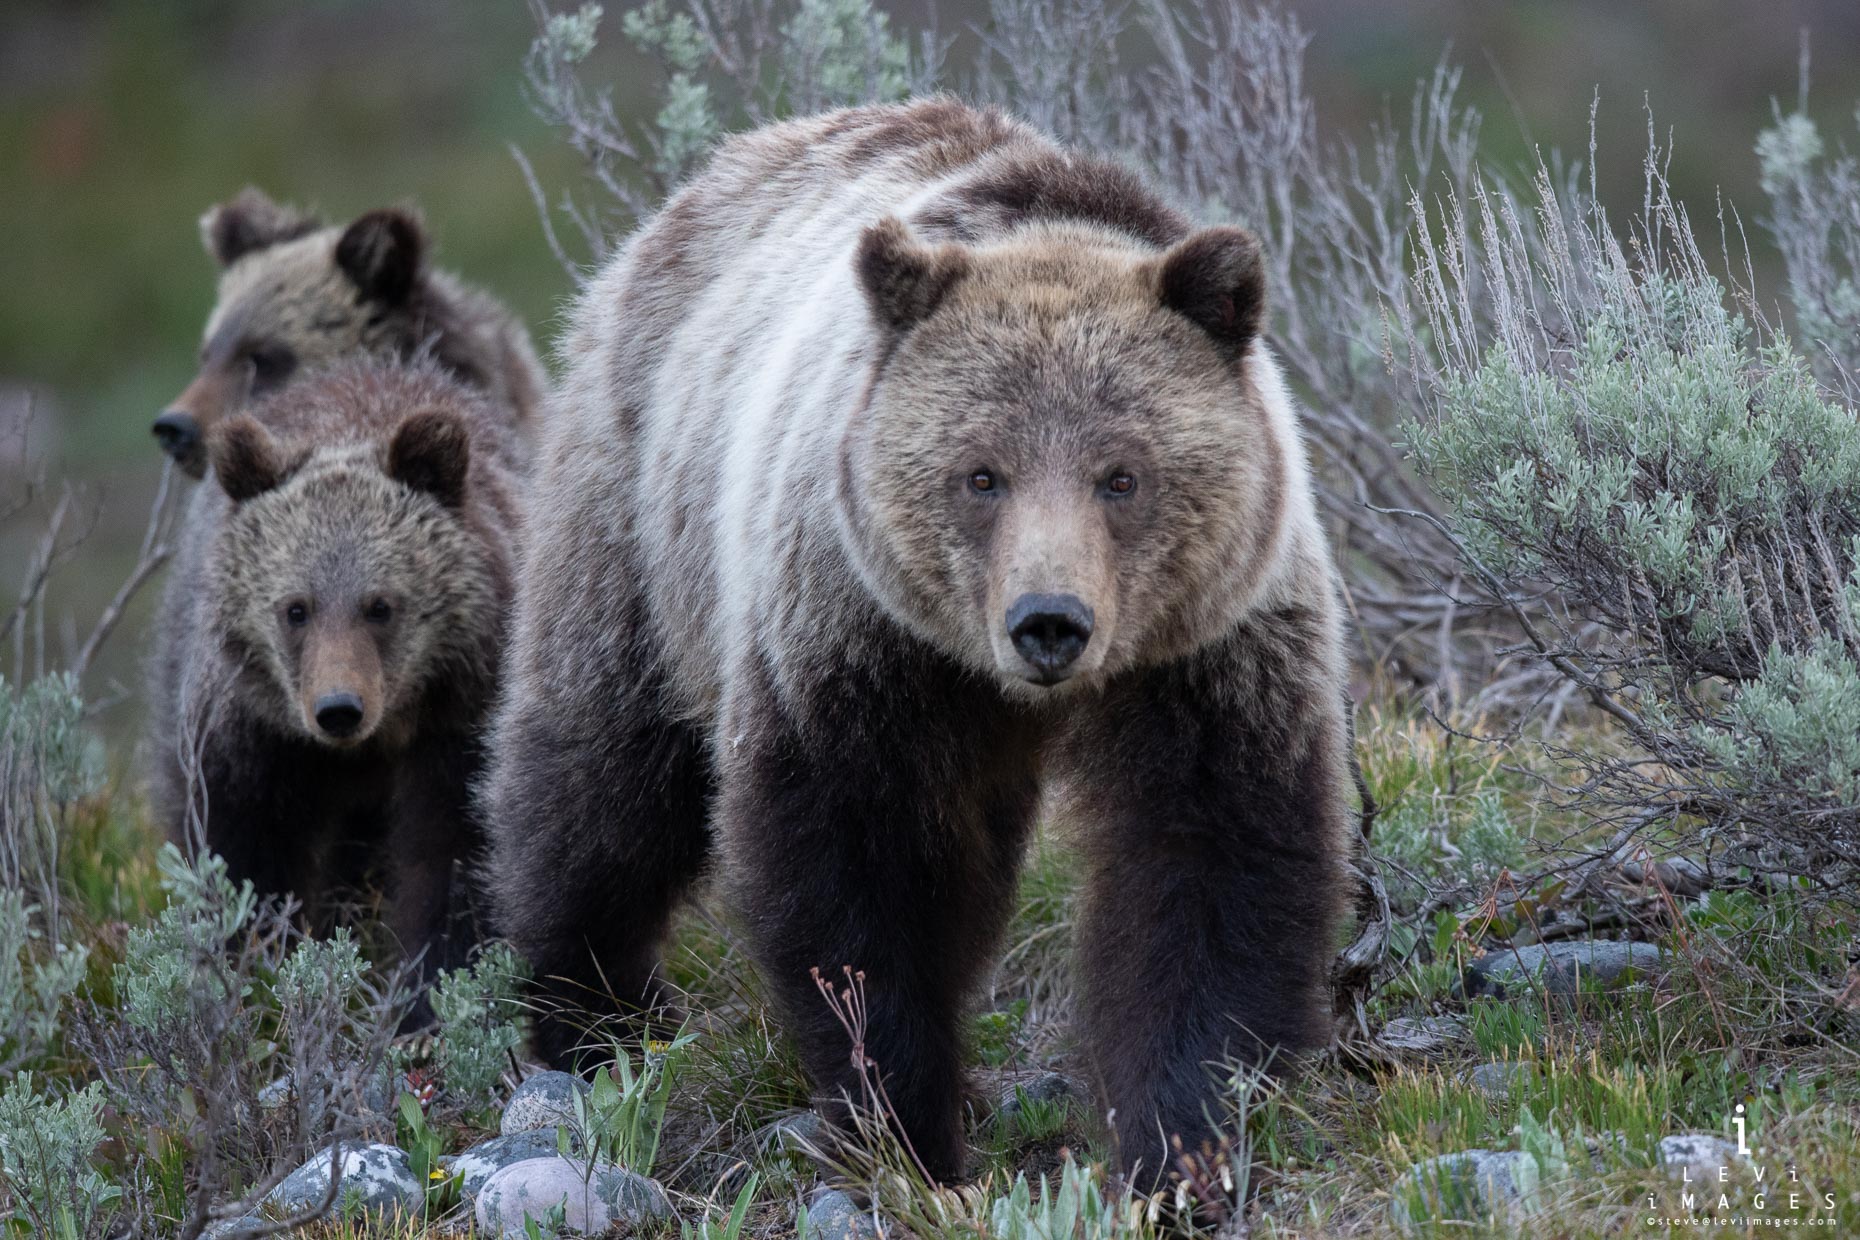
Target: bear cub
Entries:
(329, 641)
(296, 296)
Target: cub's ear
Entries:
(431, 452)
(245, 457)
(251, 222)
(381, 253)
(904, 280)
(1217, 278)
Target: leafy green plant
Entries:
(997, 1033)
(1076, 1209)
(479, 1010)
(47, 1150)
(424, 1145)
(622, 1115)
(731, 1227)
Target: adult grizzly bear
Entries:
(906, 462)
(296, 296)
(328, 644)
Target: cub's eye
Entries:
(1120, 483)
(270, 366)
(380, 611)
(297, 614)
(981, 480)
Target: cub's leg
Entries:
(265, 805)
(1213, 796)
(595, 798)
(879, 825)
(430, 836)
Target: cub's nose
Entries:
(176, 432)
(1050, 632)
(339, 714)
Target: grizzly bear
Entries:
(906, 466)
(296, 296)
(329, 641)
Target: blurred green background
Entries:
(121, 120)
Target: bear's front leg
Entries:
(878, 825)
(430, 835)
(1213, 792)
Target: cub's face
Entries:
(1065, 468)
(293, 297)
(347, 579)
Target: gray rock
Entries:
(1046, 1087)
(592, 1197)
(1559, 968)
(485, 1159)
(832, 1215)
(1472, 1186)
(1497, 1080)
(1428, 1035)
(377, 1095)
(794, 1133)
(376, 1179)
(544, 1101)
(1698, 1156)
(225, 1229)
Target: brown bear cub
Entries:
(296, 296)
(328, 645)
(905, 465)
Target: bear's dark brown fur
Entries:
(907, 466)
(329, 642)
(296, 296)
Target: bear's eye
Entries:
(981, 480)
(1120, 483)
(380, 611)
(297, 614)
(271, 365)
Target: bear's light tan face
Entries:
(1069, 478)
(342, 585)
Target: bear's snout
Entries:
(177, 433)
(1050, 631)
(339, 715)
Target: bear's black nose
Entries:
(1050, 631)
(339, 714)
(176, 432)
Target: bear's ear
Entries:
(381, 254)
(1217, 279)
(903, 279)
(245, 459)
(431, 452)
(251, 222)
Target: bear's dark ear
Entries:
(381, 254)
(1217, 278)
(251, 222)
(431, 452)
(245, 459)
(904, 280)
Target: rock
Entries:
(544, 1101)
(1559, 968)
(833, 1215)
(377, 1094)
(1497, 1080)
(487, 1158)
(794, 1133)
(376, 1179)
(593, 1197)
(1697, 1155)
(228, 1228)
(1471, 1186)
(1428, 1035)
(1046, 1087)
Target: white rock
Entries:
(544, 1101)
(592, 1197)
(376, 1179)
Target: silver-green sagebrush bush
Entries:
(479, 1008)
(50, 1185)
(1669, 501)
